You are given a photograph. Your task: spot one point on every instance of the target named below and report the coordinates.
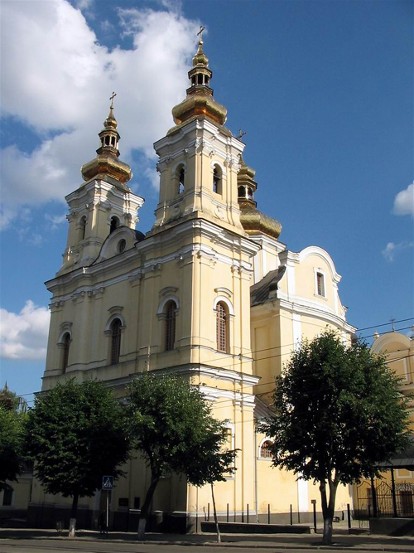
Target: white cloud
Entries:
(404, 201)
(24, 334)
(57, 80)
(55, 220)
(392, 249)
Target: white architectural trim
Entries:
(316, 250)
(164, 301)
(223, 299)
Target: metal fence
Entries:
(384, 501)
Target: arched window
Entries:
(114, 224)
(217, 180)
(65, 351)
(82, 228)
(121, 245)
(242, 192)
(222, 325)
(265, 450)
(181, 178)
(170, 314)
(116, 328)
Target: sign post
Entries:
(107, 485)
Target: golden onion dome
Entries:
(200, 58)
(199, 101)
(253, 220)
(106, 165)
(107, 162)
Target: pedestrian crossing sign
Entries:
(107, 482)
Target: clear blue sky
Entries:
(323, 89)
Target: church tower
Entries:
(199, 158)
(202, 262)
(103, 203)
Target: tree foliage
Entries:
(338, 413)
(212, 462)
(172, 426)
(76, 434)
(12, 420)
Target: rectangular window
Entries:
(7, 497)
(320, 284)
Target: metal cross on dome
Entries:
(200, 32)
(112, 99)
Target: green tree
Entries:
(172, 427)
(338, 413)
(76, 434)
(12, 420)
(212, 462)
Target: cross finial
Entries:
(112, 99)
(200, 33)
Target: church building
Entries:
(208, 293)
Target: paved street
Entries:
(44, 541)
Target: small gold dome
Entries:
(251, 218)
(199, 101)
(106, 165)
(255, 221)
(200, 58)
(202, 105)
(107, 162)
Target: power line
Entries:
(384, 324)
(253, 353)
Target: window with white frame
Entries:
(181, 179)
(116, 329)
(217, 179)
(222, 327)
(170, 315)
(66, 340)
(265, 449)
(320, 284)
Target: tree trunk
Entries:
(215, 514)
(73, 513)
(328, 510)
(142, 523)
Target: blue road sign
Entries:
(107, 482)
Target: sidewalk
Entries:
(342, 539)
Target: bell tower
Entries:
(199, 158)
(102, 203)
(201, 260)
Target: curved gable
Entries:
(119, 241)
(319, 253)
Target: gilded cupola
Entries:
(199, 101)
(251, 218)
(107, 162)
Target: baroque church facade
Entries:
(209, 293)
